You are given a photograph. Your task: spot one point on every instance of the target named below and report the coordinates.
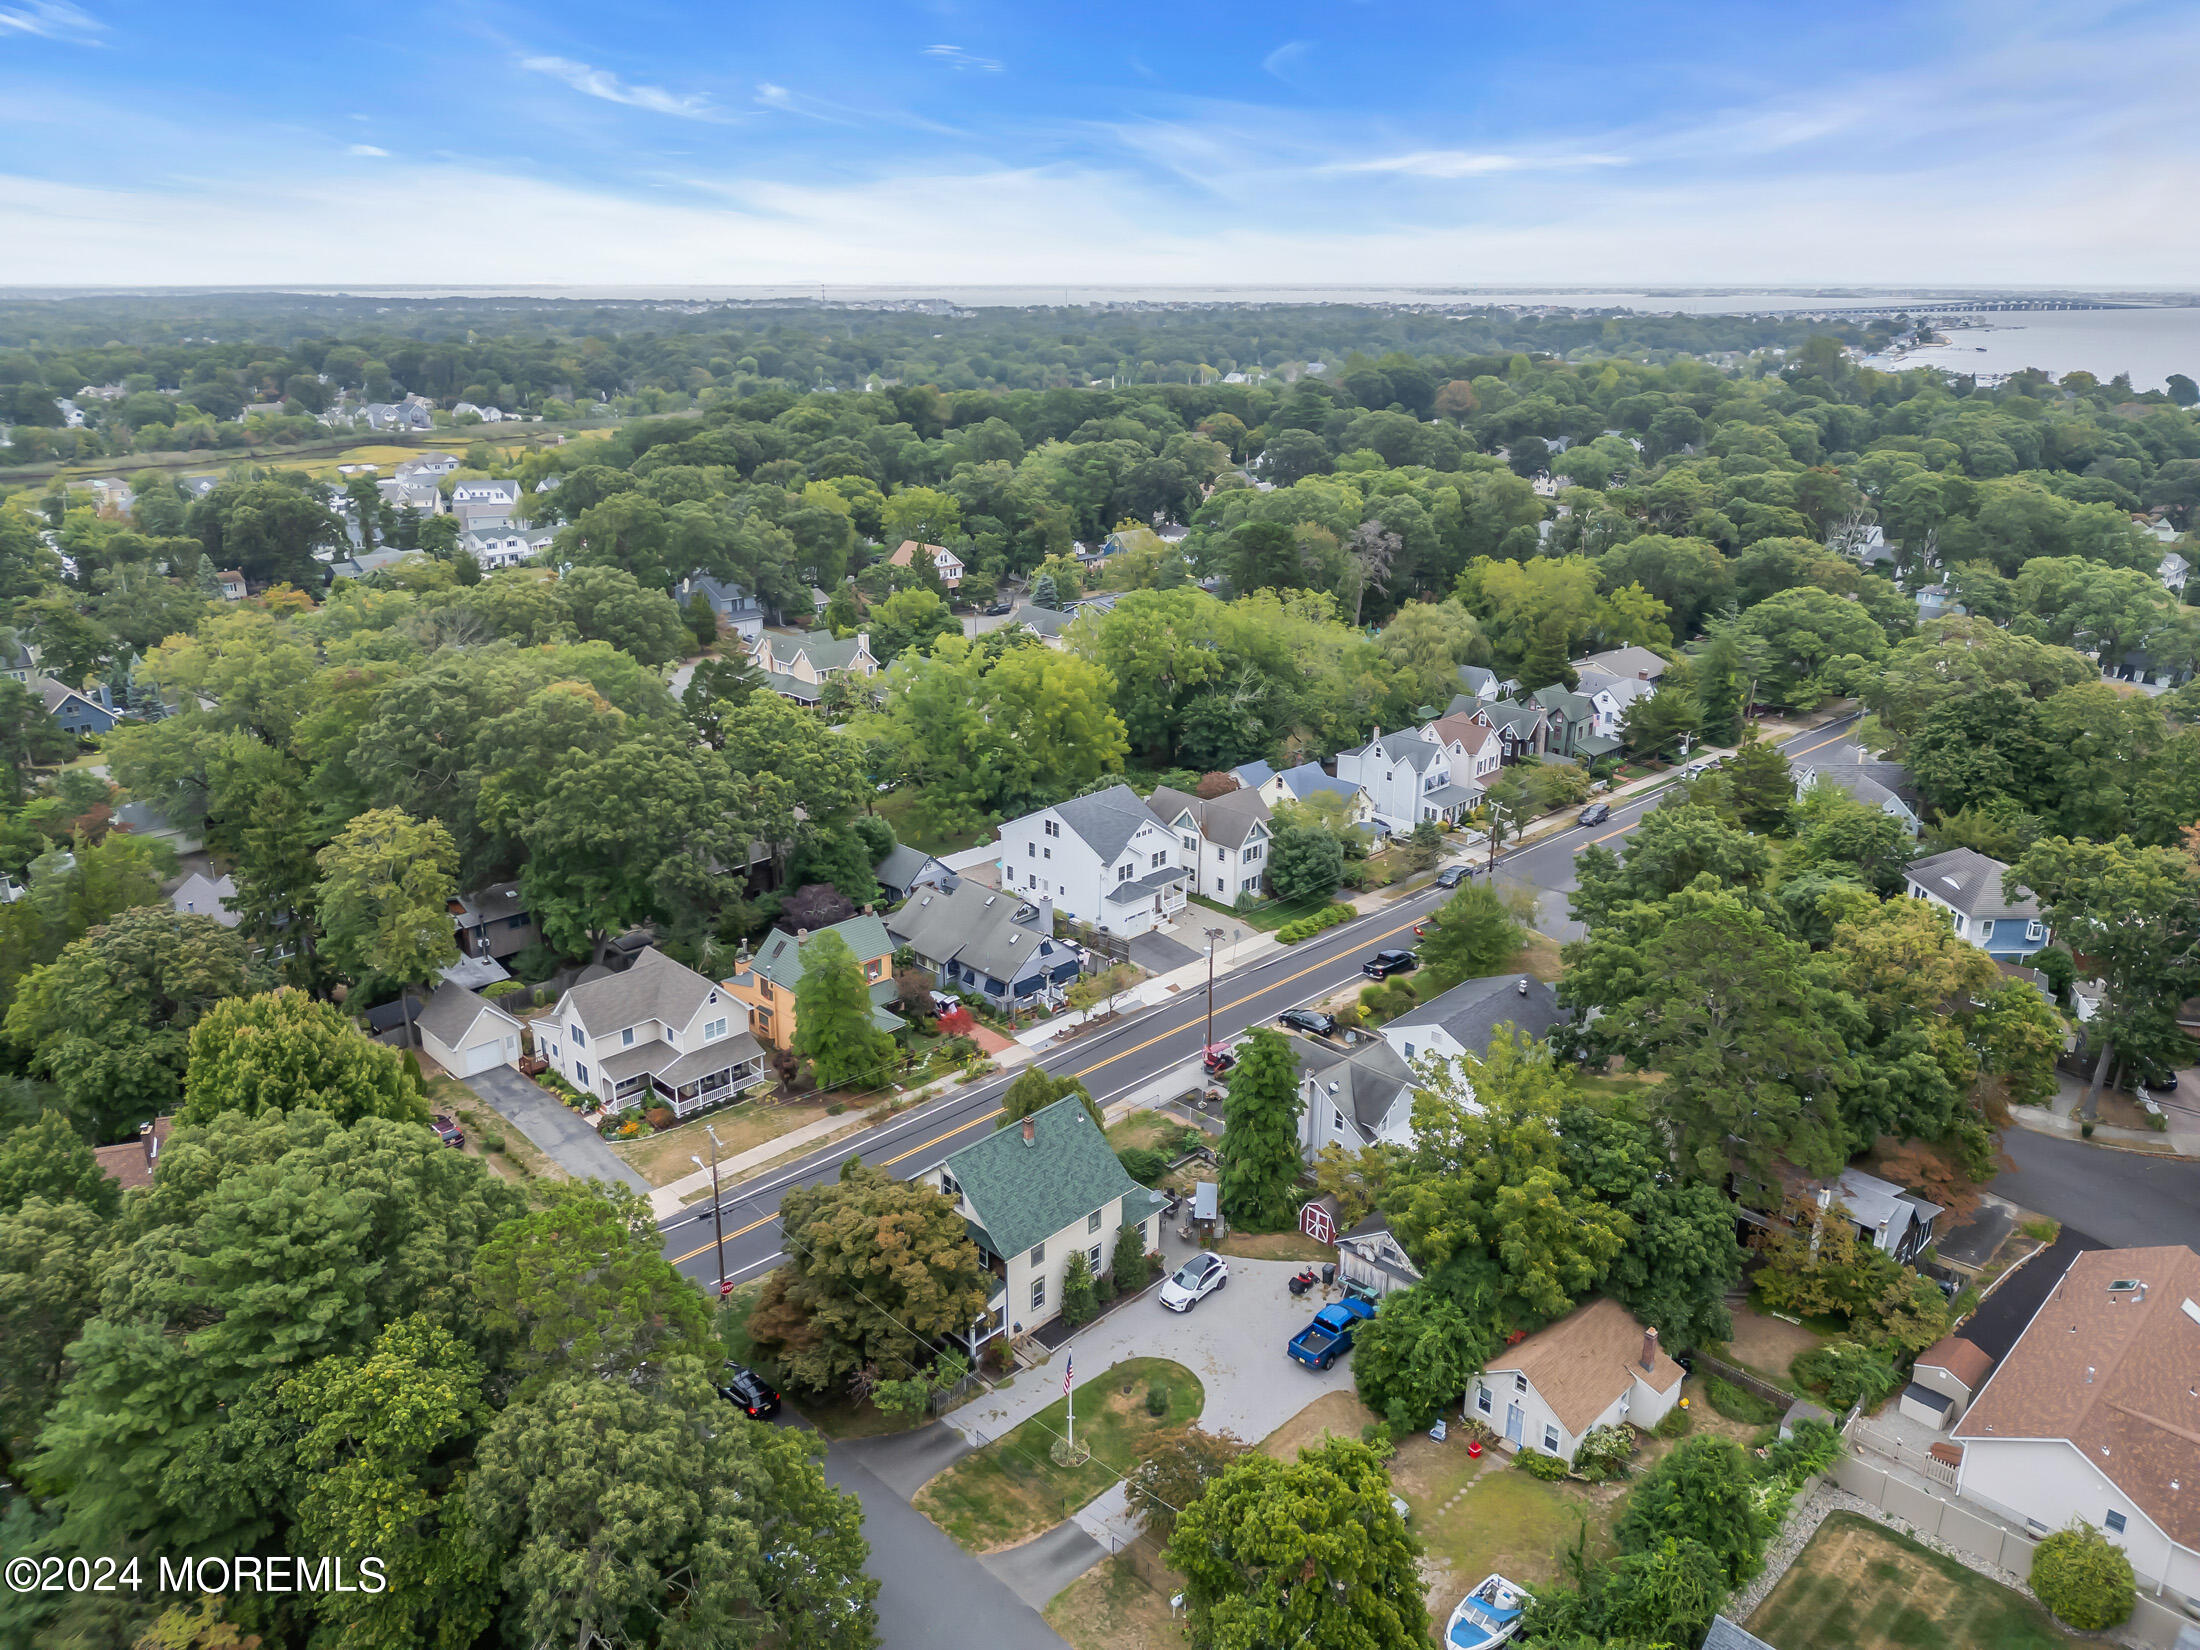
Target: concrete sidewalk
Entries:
(2180, 1139)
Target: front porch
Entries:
(720, 1074)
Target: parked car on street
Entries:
(1596, 813)
(1451, 876)
(1312, 1021)
(1386, 963)
(1194, 1281)
(742, 1387)
(446, 1126)
(1329, 1337)
(1000, 610)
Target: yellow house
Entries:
(767, 986)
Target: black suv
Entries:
(1000, 610)
(1312, 1021)
(1596, 813)
(1386, 963)
(746, 1391)
(1451, 876)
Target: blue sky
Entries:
(976, 141)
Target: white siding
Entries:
(2046, 1482)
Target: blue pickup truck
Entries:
(1329, 1337)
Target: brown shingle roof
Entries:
(1967, 1363)
(1582, 1364)
(129, 1163)
(2116, 1373)
(1464, 729)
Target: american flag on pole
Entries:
(1069, 1369)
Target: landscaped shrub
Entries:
(492, 1142)
(1143, 1164)
(1676, 1423)
(1080, 1301)
(1536, 1464)
(658, 1117)
(1306, 927)
(505, 988)
(1736, 1405)
(1127, 1267)
(2083, 1577)
(1846, 1371)
(1605, 1453)
(1157, 1398)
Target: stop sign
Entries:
(725, 1287)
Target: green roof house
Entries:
(1034, 1193)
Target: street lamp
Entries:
(717, 1209)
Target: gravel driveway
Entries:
(568, 1142)
(1233, 1341)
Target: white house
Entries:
(1370, 1257)
(476, 494)
(1407, 779)
(1035, 1193)
(1223, 842)
(1595, 1367)
(2093, 1414)
(1307, 780)
(944, 561)
(505, 544)
(2173, 571)
(1475, 750)
(739, 613)
(1104, 859)
(466, 1034)
(427, 467)
(657, 1033)
(1353, 1101)
(1968, 886)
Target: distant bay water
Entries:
(2158, 336)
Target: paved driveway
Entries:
(1233, 1341)
(568, 1142)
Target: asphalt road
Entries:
(2118, 1200)
(1546, 868)
(1147, 1044)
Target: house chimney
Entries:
(863, 641)
(1031, 1132)
(151, 1144)
(1650, 1349)
(801, 934)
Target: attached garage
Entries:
(466, 1034)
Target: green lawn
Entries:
(1012, 1489)
(1506, 1522)
(898, 809)
(1860, 1586)
(1269, 916)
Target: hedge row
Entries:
(1307, 927)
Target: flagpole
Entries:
(1069, 1371)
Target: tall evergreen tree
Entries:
(1259, 1160)
(833, 1029)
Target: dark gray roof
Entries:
(900, 869)
(1872, 783)
(493, 904)
(1024, 1193)
(1364, 1085)
(1253, 774)
(728, 1051)
(652, 987)
(974, 924)
(1971, 882)
(1471, 1011)
(1477, 679)
(1129, 893)
(1511, 713)
(1625, 661)
(1563, 701)
(1409, 748)
(1228, 819)
(1043, 621)
(1106, 820)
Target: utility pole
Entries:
(717, 1209)
(1213, 934)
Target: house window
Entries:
(1031, 850)
(1336, 1119)
(1221, 853)
(1092, 1259)
(1049, 853)
(2033, 930)
(1483, 1401)
(1038, 1294)
(580, 1075)
(1409, 1051)
(1092, 1222)
(626, 1038)
(580, 1038)
(1158, 861)
(1221, 886)
(1985, 929)
(1550, 1438)
(871, 968)
(1191, 844)
(713, 1029)
(950, 1186)
(2113, 1523)
(1520, 1383)
(1038, 1254)
(1123, 873)
(1054, 827)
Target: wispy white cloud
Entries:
(956, 57)
(368, 150)
(1470, 163)
(51, 20)
(1284, 56)
(595, 82)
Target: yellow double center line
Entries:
(1120, 1054)
(1135, 1048)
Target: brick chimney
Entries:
(1650, 1349)
(1031, 1132)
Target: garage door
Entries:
(482, 1056)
